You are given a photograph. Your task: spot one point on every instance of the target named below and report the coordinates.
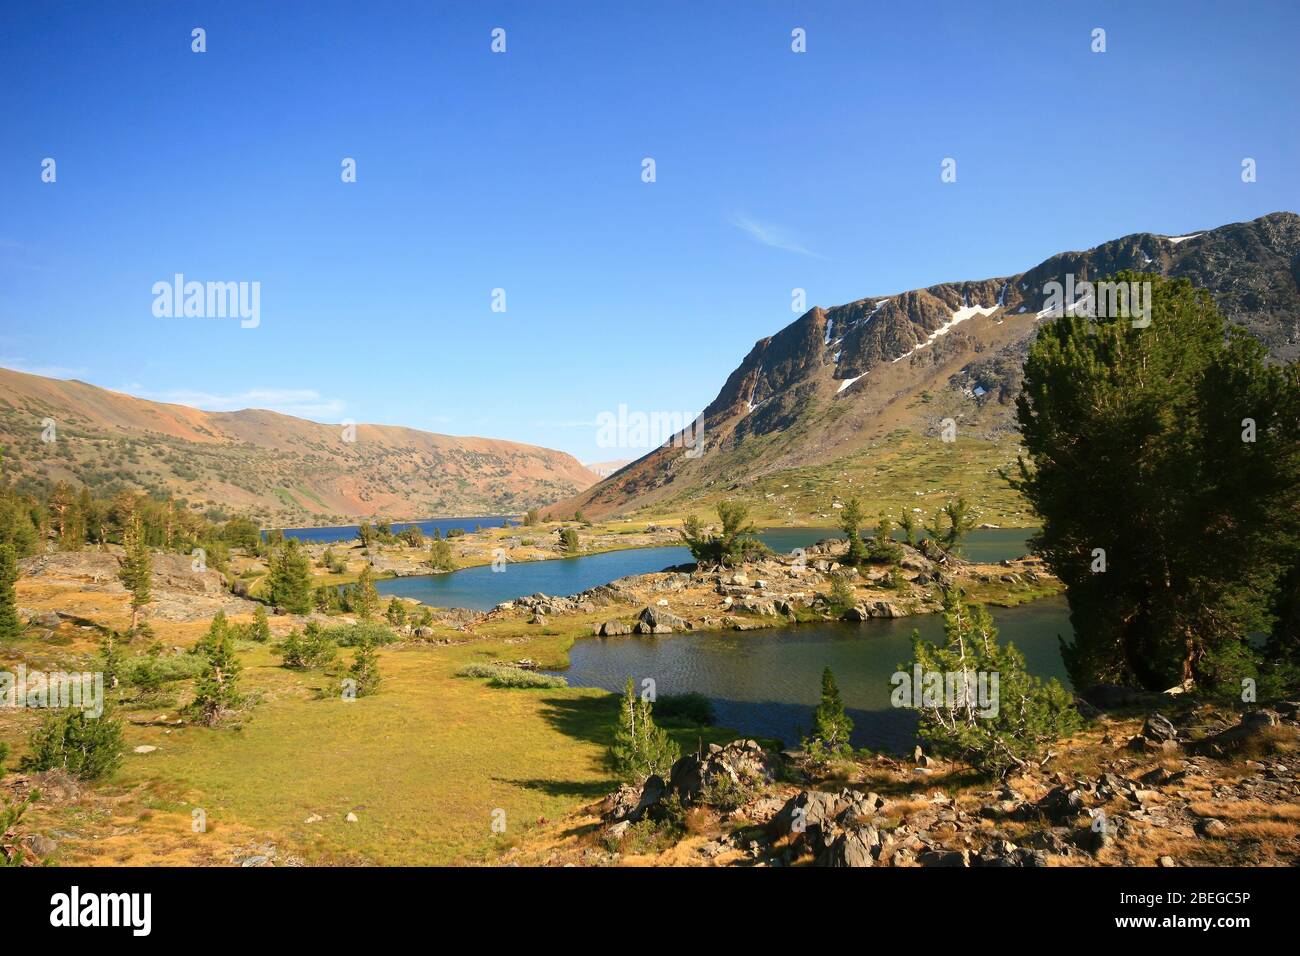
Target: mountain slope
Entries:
(842, 382)
(280, 469)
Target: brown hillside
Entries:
(280, 469)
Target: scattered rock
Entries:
(619, 830)
(1211, 827)
(1159, 729)
(39, 844)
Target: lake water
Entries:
(762, 683)
(482, 588)
(766, 683)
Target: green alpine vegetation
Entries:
(831, 726)
(288, 583)
(1164, 462)
(984, 708)
(734, 544)
(640, 748)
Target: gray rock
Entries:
(1061, 803)
(1159, 729)
(631, 803)
(885, 609)
(39, 844)
(854, 847)
(619, 830)
(1211, 827)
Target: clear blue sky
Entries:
(523, 171)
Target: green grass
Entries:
(500, 675)
(898, 473)
(423, 764)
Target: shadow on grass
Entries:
(583, 718)
(586, 789)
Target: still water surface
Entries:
(762, 683)
(766, 683)
(482, 588)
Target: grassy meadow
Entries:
(422, 765)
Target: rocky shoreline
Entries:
(780, 590)
(1202, 786)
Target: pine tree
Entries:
(396, 613)
(1020, 714)
(289, 578)
(365, 669)
(10, 626)
(735, 544)
(261, 631)
(365, 599)
(135, 568)
(831, 725)
(908, 526)
(851, 524)
(640, 748)
(69, 740)
(1164, 464)
(112, 661)
(440, 558)
(216, 692)
(884, 549)
(951, 525)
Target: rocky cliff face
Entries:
(834, 379)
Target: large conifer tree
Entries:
(1164, 463)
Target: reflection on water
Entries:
(482, 588)
(766, 683)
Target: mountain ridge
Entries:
(836, 380)
(280, 469)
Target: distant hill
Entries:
(284, 471)
(839, 391)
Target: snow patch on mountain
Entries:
(958, 317)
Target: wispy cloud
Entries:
(46, 371)
(300, 402)
(772, 235)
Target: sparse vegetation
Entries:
(980, 705)
(135, 567)
(86, 747)
(640, 748)
(501, 675)
(735, 544)
(829, 738)
(216, 691)
(9, 623)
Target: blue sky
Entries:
(522, 171)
